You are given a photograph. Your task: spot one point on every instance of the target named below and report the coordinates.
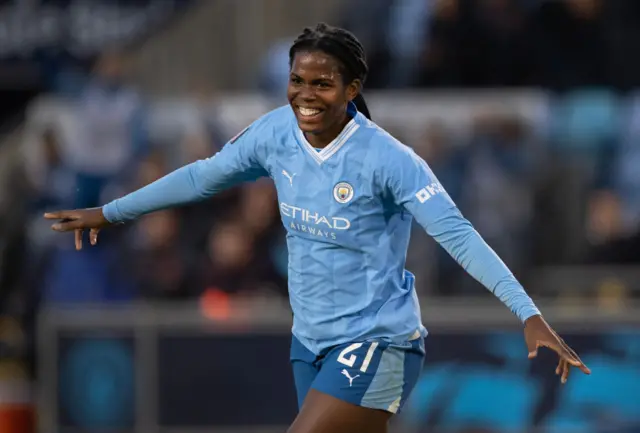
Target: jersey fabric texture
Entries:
(348, 210)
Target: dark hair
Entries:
(342, 45)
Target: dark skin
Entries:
(317, 84)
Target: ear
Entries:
(353, 89)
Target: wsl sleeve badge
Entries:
(343, 192)
(240, 134)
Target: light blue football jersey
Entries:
(348, 210)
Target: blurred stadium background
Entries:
(527, 110)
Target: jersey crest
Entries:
(343, 192)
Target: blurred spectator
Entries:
(571, 47)
(204, 134)
(111, 132)
(236, 263)
(490, 177)
(359, 17)
(613, 215)
(159, 259)
(441, 62)
(258, 208)
(625, 176)
(51, 181)
(407, 39)
(259, 212)
(13, 232)
(499, 54)
(83, 158)
(497, 194)
(274, 71)
(604, 217)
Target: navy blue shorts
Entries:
(374, 374)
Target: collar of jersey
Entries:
(333, 147)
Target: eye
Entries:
(324, 85)
(296, 80)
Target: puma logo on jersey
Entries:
(288, 176)
(351, 379)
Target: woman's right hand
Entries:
(78, 221)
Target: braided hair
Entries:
(342, 45)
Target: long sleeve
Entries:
(242, 159)
(416, 189)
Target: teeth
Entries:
(308, 111)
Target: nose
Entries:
(307, 93)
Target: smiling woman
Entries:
(348, 191)
(328, 70)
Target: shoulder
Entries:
(275, 119)
(267, 126)
(393, 164)
(388, 152)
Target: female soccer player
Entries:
(348, 192)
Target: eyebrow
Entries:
(327, 78)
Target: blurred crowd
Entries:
(568, 193)
(555, 194)
(232, 243)
(560, 194)
(556, 44)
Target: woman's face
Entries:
(317, 92)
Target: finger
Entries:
(583, 368)
(557, 347)
(566, 354)
(565, 372)
(93, 236)
(67, 225)
(562, 352)
(59, 215)
(573, 352)
(78, 234)
(577, 361)
(559, 367)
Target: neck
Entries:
(321, 140)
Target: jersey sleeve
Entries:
(414, 188)
(242, 159)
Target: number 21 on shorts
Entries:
(349, 359)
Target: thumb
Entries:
(532, 347)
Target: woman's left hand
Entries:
(537, 333)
